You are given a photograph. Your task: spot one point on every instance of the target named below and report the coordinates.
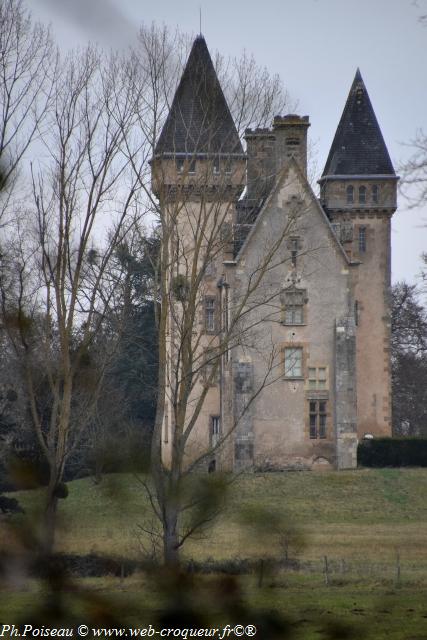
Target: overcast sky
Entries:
(315, 46)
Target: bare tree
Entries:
(27, 63)
(57, 280)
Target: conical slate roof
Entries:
(199, 120)
(358, 147)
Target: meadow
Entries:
(355, 543)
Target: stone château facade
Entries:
(291, 333)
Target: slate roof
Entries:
(199, 120)
(358, 147)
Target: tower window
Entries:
(215, 429)
(375, 193)
(362, 239)
(293, 362)
(362, 195)
(210, 314)
(317, 418)
(350, 194)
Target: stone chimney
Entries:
(261, 161)
(291, 140)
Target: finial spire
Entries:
(200, 20)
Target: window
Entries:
(317, 378)
(350, 194)
(317, 418)
(362, 195)
(215, 426)
(294, 246)
(210, 314)
(375, 193)
(216, 170)
(356, 312)
(293, 303)
(362, 239)
(227, 168)
(183, 164)
(293, 362)
(215, 430)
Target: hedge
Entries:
(392, 452)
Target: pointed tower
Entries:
(199, 145)
(358, 193)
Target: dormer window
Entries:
(375, 193)
(350, 194)
(362, 195)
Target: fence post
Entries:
(397, 569)
(326, 571)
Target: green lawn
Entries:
(359, 519)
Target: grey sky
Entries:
(315, 46)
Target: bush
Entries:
(392, 452)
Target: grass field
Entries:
(361, 520)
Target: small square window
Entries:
(317, 378)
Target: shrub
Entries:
(392, 452)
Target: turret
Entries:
(358, 193)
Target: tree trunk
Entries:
(49, 524)
(170, 535)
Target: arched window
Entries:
(375, 193)
(350, 194)
(362, 195)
